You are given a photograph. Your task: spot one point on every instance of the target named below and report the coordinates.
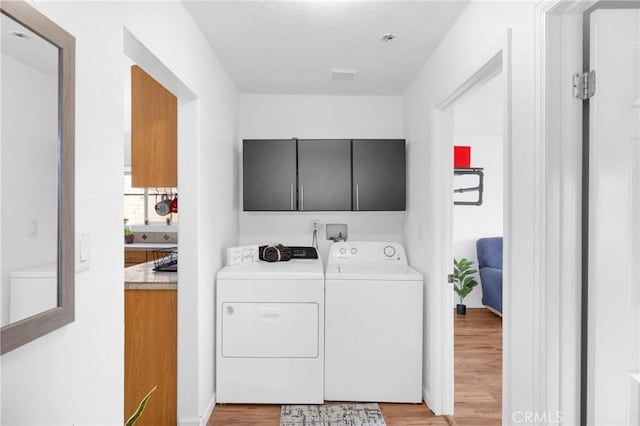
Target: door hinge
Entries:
(584, 85)
(450, 278)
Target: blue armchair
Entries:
(489, 252)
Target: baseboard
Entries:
(207, 413)
(493, 310)
(189, 422)
(426, 396)
(202, 420)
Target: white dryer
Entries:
(270, 332)
(373, 324)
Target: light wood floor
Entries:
(478, 384)
(478, 366)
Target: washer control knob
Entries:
(343, 250)
(389, 251)
(354, 251)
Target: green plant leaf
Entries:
(464, 292)
(135, 416)
(463, 277)
(469, 280)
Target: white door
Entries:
(614, 216)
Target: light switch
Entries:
(83, 252)
(32, 228)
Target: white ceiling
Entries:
(289, 47)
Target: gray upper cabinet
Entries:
(379, 174)
(269, 175)
(324, 174)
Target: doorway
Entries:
(497, 62)
(477, 236)
(187, 296)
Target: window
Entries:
(139, 204)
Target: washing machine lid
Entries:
(372, 272)
(294, 269)
(43, 271)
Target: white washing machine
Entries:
(270, 332)
(373, 324)
(32, 291)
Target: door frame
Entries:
(558, 137)
(559, 133)
(496, 60)
(188, 235)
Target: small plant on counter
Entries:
(128, 232)
(463, 281)
(135, 416)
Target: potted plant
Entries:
(128, 232)
(463, 281)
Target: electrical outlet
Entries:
(315, 224)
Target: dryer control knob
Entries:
(229, 310)
(354, 251)
(343, 250)
(389, 251)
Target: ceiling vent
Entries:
(343, 74)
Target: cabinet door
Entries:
(134, 257)
(379, 174)
(150, 348)
(324, 174)
(269, 175)
(154, 133)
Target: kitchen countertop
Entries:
(143, 277)
(150, 246)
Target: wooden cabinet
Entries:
(269, 175)
(324, 174)
(135, 257)
(154, 133)
(150, 355)
(379, 174)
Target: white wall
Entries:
(478, 123)
(29, 171)
(314, 117)
(462, 50)
(75, 374)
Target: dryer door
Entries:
(270, 330)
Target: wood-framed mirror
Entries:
(37, 227)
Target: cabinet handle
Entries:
(291, 197)
(357, 197)
(301, 197)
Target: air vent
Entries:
(343, 74)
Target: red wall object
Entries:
(461, 157)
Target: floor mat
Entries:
(332, 415)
